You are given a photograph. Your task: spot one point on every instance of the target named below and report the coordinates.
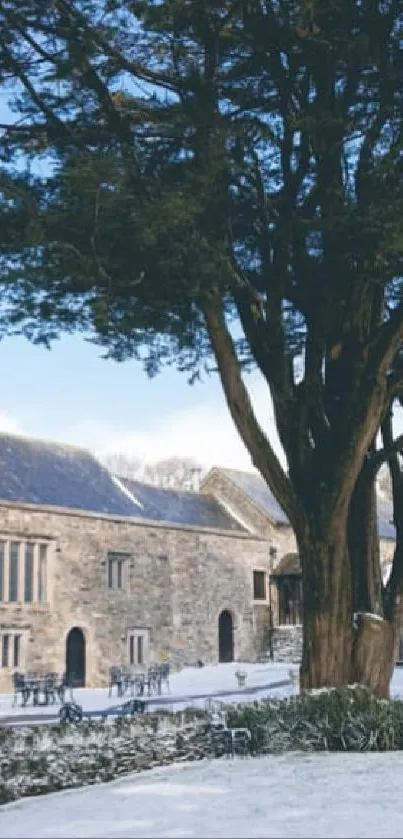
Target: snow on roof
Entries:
(253, 485)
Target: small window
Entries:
(13, 572)
(42, 573)
(29, 572)
(131, 649)
(2, 551)
(16, 650)
(23, 572)
(110, 572)
(259, 585)
(10, 649)
(138, 647)
(119, 574)
(5, 650)
(116, 566)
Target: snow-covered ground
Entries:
(187, 684)
(294, 795)
(190, 683)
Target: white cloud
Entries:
(205, 432)
(9, 425)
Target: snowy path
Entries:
(166, 701)
(190, 686)
(294, 795)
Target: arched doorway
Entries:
(225, 637)
(75, 658)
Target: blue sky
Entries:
(71, 394)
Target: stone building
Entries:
(97, 570)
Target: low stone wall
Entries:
(287, 644)
(39, 759)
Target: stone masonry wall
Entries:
(287, 644)
(248, 512)
(278, 535)
(178, 580)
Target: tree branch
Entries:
(386, 342)
(394, 587)
(132, 67)
(381, 455)
(236, 394)
(35, 96)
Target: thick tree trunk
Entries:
(342, 644)
(374, 627)
(327, 626)
(373, 655)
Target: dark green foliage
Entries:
(348, 719)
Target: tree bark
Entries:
(373, 653)
(347, 637)
(375, 629)
(327, 625)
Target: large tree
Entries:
(226, 188)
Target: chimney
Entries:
(195, 481)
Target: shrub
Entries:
(345, 719)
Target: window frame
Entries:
(12, 648)
(3, 554)
(42, 589)
(263, 579)
(14, 561)
(29, 566)
(117, 563)
(5, 650)
(24, 575)
(16, 649)
(138, 646)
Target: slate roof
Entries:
(253, 485)
(47, 473)
(180, 506)
(51, 474)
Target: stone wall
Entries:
(279, 536)
(248, 513)
(287, 644)
(177, 582)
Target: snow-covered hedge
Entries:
(347, 719)
(42, 759)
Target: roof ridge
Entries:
(163, 489)
(256, 473)
(272, 514)
(46, 441)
